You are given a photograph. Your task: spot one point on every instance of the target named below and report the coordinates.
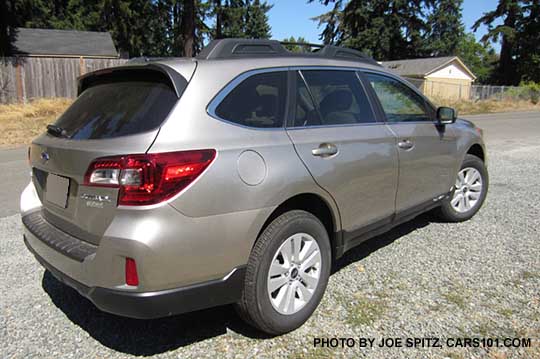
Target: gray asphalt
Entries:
(508, 128)
(480, 278)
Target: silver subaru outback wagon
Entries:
(238, 176)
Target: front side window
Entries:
(258, 101)
(331, 97)
(400, 103)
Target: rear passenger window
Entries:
(331, 98)
(258, 101)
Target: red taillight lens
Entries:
(148, 178)
(132, 278)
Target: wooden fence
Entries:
(25, 78)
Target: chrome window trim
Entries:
(216, 101)
(334, 126)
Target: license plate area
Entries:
(57, 190)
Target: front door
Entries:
(426, 151)
(348, 153)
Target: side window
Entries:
(258, 101)
(306, 113)
(400, 103)
(334, 98)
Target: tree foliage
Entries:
(294, 44)
(445, 30)
(479, 58)
(141, 27)
(399, 29)
(520, 39)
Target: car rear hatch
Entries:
(119, 111)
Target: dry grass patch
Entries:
(465, 107)
(20, 123)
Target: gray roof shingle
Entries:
(416, 67)
(64, 43)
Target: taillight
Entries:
(148, 178)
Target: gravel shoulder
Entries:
(480, 278)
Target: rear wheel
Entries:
(469, 193)
(287, 273)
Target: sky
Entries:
(293, 18)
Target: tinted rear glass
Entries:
(119, 107)
(259, 101)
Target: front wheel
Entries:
(287, 273)
(469, 192)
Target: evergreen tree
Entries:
(510, 11)
(296, 48)
(387, 30)
(240, 19)
(233, 19)
(7, 27)
(257, 26)
(332, 20)
(446, 29)
(528, 47)
(479, 58)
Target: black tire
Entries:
(255, 306)
(446, 211)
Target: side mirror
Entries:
(446, 115)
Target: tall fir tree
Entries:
(257, 26)
(510, 11)
(528, 46)
(445, 28)
(480, 58)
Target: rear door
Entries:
(426, 151)
(118, 113)
(349, 153)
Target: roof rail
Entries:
(145, 59)
(252, 48)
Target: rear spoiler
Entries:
(178, 82)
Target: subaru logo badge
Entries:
(44, 156)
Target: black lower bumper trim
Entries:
(149, 305)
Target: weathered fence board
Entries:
(25, 78)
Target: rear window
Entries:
(259, 101)
(119, 106)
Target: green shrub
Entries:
(532, 89)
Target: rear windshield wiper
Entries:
(56, 131)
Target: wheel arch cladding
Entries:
(477, 151)
(313, 204)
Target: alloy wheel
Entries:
(468, 190)
(294, 273)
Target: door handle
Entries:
(405, 144)
(325, 150)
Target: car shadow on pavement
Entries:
(149, 337)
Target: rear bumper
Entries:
(156, 304)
